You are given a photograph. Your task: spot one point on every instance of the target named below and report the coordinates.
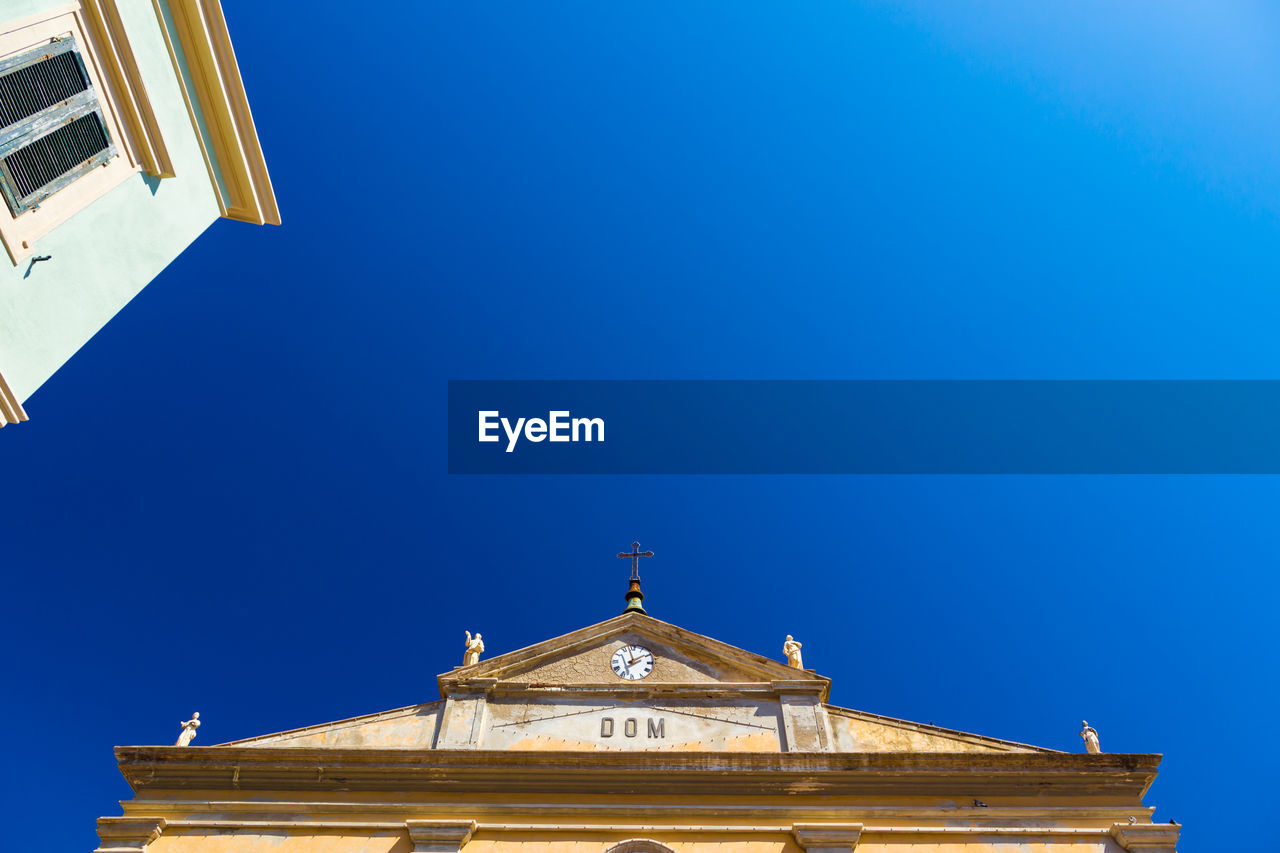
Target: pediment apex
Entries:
(716, 662)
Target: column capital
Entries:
(439, 836)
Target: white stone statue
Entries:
(474, 648)
(1090, 737)
(189, 730)
(792, 650)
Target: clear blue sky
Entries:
(234, 498)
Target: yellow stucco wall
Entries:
(277, 842)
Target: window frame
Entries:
(101, 62)
(27, 131)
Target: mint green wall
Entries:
(104, 255)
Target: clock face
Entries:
(632, 662)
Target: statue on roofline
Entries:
(792, 650)
(188, 730)
(1090, 737)
(474, 648)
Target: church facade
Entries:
(631, 736)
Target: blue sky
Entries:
(234, 498)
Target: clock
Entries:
(632, 662)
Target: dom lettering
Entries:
(656, 727)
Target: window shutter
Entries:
(53, 130)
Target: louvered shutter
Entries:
(53, 129)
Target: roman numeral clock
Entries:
(632, 662)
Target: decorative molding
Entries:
(955, 775)
(639, 845)
(1147, 837)
(11, 411)
(132, 104)
(827, 837)
(215, 85)
(439, 836)
(837, 831)
(701, 813)
(128, 834)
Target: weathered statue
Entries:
(474, 648)
(792, 650)
(189, 730)
(1090, 737)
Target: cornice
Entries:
(702, 814)
(11, 411)
(963, 775)
(196, 30)
(640, 690)
(813, 836)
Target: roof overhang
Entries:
(1110, 776)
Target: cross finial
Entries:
(635, 554)
(634, 595)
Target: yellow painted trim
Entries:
(701, 813)
(954, 832)
(191, 111)
(201, 31)
(11, 411)
(127, 835)
(133, 106)
(625, 827)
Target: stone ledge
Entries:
(439, 836)
(1147, 837)
(127, 834)
(827, 837)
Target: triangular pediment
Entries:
(701, 695)
(582, 658)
